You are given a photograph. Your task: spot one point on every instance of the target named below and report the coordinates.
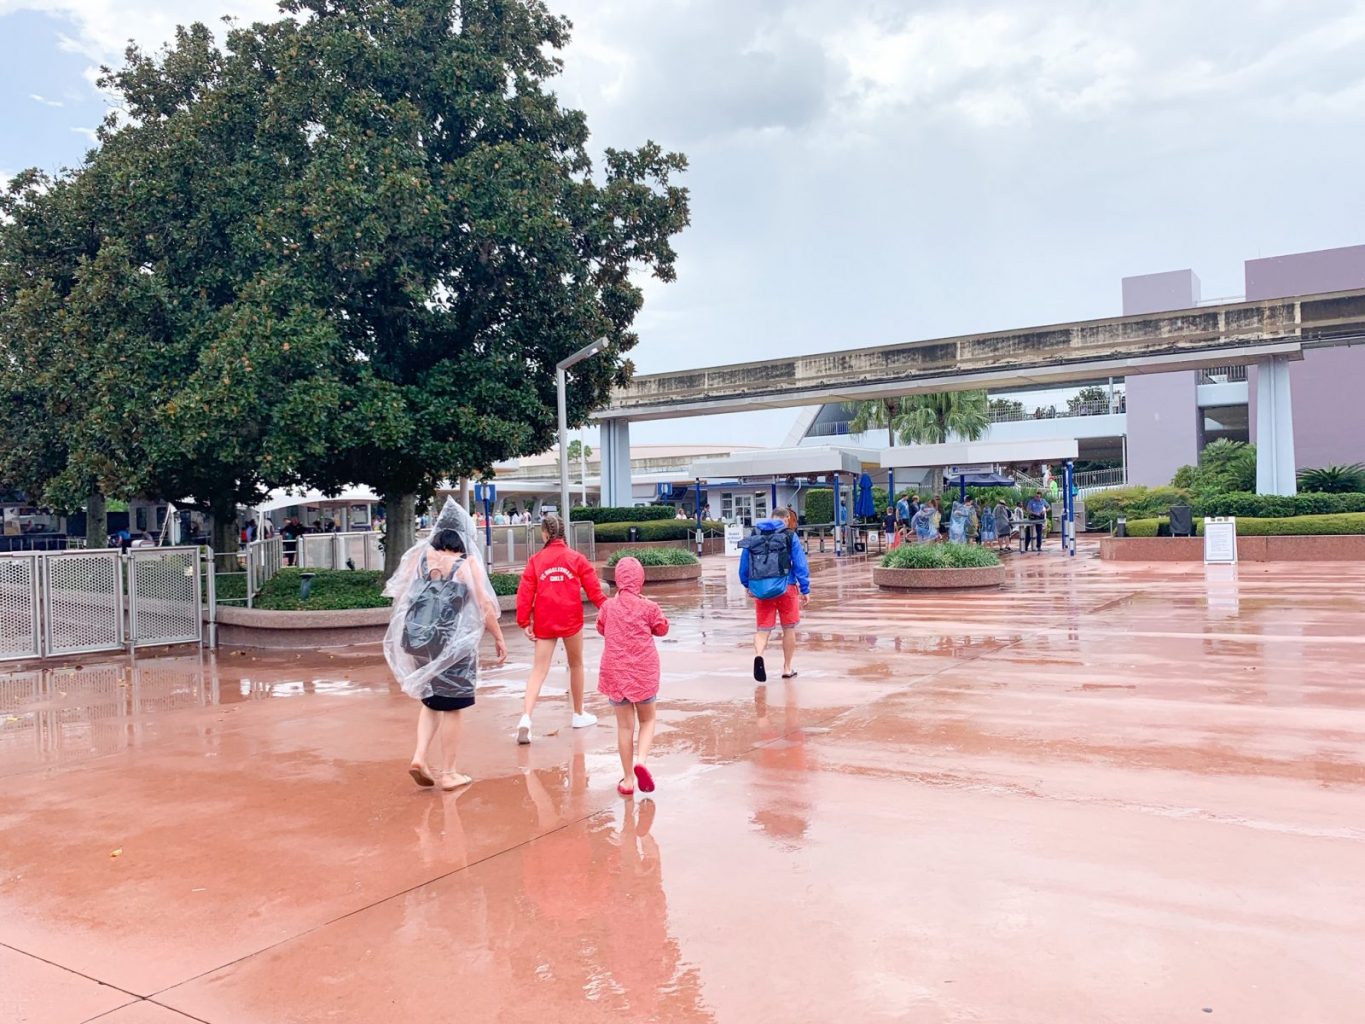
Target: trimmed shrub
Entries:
(333, 590)
(1224, 465)
(1275, 506)
(820, 505)
(622, 514)
(1133, 502)
(939, 556)
(1288, 526)
(505, 583)
(670, 529)
(656, 556)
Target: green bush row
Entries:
(656, 556)
(621, 514)
(1133, 502)
(505, 583)
(671, 529)
(333, 590)
(940, 556)
(1288, 526)
(1278, 506)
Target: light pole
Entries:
(561, 383)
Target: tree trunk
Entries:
(937, 485)
(400, 513)
(224, 538)
(96, 521)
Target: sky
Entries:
(877, 171)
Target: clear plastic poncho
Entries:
(957, 524)
(923, 523)
(460, 650)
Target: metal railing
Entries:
(1092, 480)
(355, 550)
(1005, 411)
(59, 603)
(1223, 375)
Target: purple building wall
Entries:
(1329, 415)
(1163, 410)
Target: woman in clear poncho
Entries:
(923, 522)
(957, 523)
(443, 603)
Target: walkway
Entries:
(1107, 793)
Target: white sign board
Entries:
(1220, 540)
(734, 533)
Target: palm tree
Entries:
(927, 419)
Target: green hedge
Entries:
(1133, 502)
(940, 556)
(1279, 506)
(333, 590)
(619, 514)
(820, 505)
(670, 529)
(656, 556)
(1287, 526)
(505, 583)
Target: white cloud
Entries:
(89, 133)
(45, 101)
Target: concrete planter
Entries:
(254, 627)
(711, 546)
(1303, 548)
(661, 573)
(938, 579)
(508, 602)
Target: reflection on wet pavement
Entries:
(1094, 794)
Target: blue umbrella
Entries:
(865, 507)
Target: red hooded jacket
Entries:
(551, 591)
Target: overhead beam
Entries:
(1228, 334)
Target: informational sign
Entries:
(1220, 540)
(981, 467)
(664, 491)
(486, 493)
(734, 533)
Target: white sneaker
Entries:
(584, 720)
(524, 730)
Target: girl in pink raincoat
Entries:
(629, 673)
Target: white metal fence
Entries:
(356, 550)
(59, 603)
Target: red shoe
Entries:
(621, 788)
(645, 780)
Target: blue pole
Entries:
(838, 537)
(1069, 508)
(891, 487)
(962, 489)
(772, 510)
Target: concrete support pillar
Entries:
(1275, 469)
(615, 463)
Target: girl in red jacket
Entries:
(550, 609)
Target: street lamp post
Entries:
(561, 384)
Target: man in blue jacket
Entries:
(773, 568)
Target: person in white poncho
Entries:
(443, 603)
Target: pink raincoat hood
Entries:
(629, 575)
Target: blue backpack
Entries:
(770, 563)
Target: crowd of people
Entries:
(965, 521)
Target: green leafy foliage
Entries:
(1223, 466)
(622, 514)
(820, 506)
(1278, 505)
(505, 583)
(1136, 502)
(1291, 526)
(332, 590)
(939, 556)
(656, 556)
(671, 529)
(1334, 479)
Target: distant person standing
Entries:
(889, 522)
(1037, 517)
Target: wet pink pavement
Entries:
(1104, 792)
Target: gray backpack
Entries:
(432, 612)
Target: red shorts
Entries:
(788, 607)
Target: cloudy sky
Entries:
(873, 171)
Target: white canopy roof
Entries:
(279, 499)
(979, 453)
(806, 461)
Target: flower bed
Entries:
(661, 565)
(938, 566)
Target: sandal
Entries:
(447, 785)
(789, 675)
(643, 779)
(621, 788)
(420, 775)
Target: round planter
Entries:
(661, 573)
(255, 627)
(938, 579)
